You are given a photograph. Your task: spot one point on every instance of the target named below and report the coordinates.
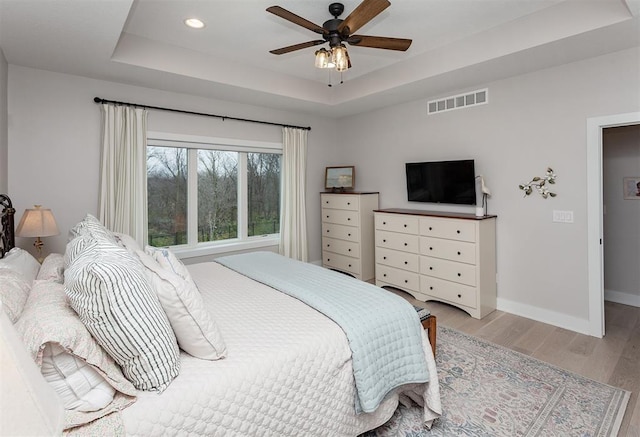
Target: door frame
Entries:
(595, 255)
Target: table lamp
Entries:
(37, 222)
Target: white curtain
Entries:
(293, 216)
(123, 171)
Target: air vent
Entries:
(473, 98)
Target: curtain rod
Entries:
(223, 117)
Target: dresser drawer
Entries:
(341, 217)
(394, 240)
(449, 270)
(397, 223)
(461, 230)
(449, 291)
(340, 201)
(341, 232)
(460, 251)
(401, 260)
(399, 278)
(342, 247)
(341, 262)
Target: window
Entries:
(209, 192)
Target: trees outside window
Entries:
(207, 195)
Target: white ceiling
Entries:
(457, 44)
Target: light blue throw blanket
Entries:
(383, 329)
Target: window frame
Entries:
(193, 143)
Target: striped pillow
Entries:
(108, 288)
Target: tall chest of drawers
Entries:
(347, 233)
(446, 257)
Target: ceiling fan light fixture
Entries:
(340, 57)
(323, 59)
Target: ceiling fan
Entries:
(337, 31)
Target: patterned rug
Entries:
(488, 390)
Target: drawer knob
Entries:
(327, 231)
(405, 244)
(459, 253)
(348, 203)
(459, 296)
(406, 281)
(384, 241)
(349, 235)
(326, 201)
(406, 262)
(430, 288)
(431, 248)
(405, 226)
(458, 231)
(349, 250)
(328, 259)
(327, 216)
(384, 257)
(384, 223)
(385, 275)
(349, 265)
(328, 245)
(430, 228)
(348, 219)
(459, 274)
(430, 268)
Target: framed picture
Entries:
(631, 187)
(342, 178)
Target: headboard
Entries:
(7, 237)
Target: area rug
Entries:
(488, 390)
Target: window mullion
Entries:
(192, 197)
(243, 203)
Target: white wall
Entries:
(531, 122)
(54, 141)
(4, 148)
(621, 158)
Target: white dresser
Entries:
(447, 257)
(347, 233)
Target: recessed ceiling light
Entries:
(194, 23)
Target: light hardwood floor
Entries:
(613, 360)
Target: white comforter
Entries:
(288, 372)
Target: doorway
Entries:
(595, 212)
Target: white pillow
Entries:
(22, 262)
(169, 261)
(127, 241)
(48, 319)
(196, 331)
(52, 268)
(79, 386)
(14, 291)
(109, 289)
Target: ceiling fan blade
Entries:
(380, 42)
(361, 15)
(295, 47)
(295, 19)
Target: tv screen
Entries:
(442, 182)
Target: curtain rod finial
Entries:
(97, 99)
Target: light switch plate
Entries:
(562, 216)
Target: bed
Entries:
(284, 367)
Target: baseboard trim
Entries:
(545, 316)
(622, 297)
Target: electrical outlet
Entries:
(562, 216)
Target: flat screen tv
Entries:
(442, 182)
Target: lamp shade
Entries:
(37, 222)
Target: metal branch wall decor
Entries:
(540, 184)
